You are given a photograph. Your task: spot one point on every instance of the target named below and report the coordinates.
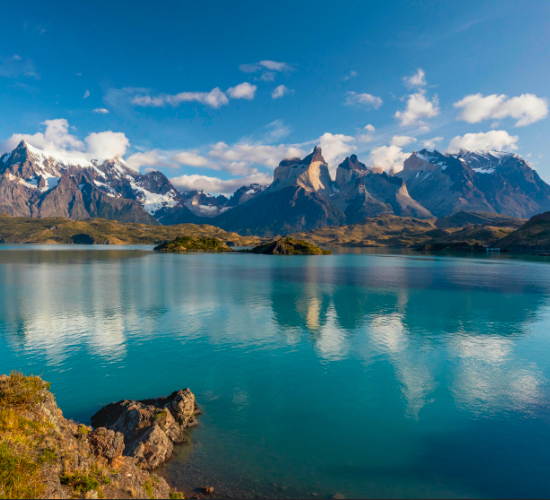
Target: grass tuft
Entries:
(79, 482)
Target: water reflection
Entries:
(401, 309)
(410, 347)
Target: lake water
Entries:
(363, 374)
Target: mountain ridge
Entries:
(303, 196)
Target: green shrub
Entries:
(79, 482)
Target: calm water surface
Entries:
(364, 374)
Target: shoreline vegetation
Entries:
(44, 455)
(462, 231)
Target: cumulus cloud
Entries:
(215, 99)
(190, 159)
(242, 91)
(417, 108)
(216, 185)
(147, 159)
(388, 158)
(86, 94)
(430, 143)
(416, 80)
(280, 91)
(105, 145)
(261, 154)
(402, 140)
(354, 99)
(266, 65)
(483, 141)
(58, 142)
(101, 111)
(336, 147)
(526, 108)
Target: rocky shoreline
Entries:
(44, 455)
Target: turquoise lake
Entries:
(368, 374)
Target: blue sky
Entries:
(214, 95)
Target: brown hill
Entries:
(534, 235)
(102, 231)
(385, 230)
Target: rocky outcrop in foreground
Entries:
(44, 455)
(151, 427)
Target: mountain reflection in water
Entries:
(410, 356)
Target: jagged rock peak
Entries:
(316, 155)
(352, 163)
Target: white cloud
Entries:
(388, 158)
(215, 99)
(526, 108)
(336, 147)
(402, 140)
(280, 91)
(216, 185)
(418, 107)
(483, 141)
(416, 80)
(86, 94)
(263, 65)
(430, 143)
(353, 99)
(101, 111)
(147, 159)
(368, 137)
(242, 91)
(58, 142)
(190, 159)
(261, 154)
(104, 145)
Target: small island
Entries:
(193, 244)
(289, 246)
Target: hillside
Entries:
(461, 230)
(102, 231)
(534, 235)
(479, 237)
(464, 219)
(385, 230)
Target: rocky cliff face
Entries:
(497, 182)
(33, 184)
(304, 197)
(363, 192)
(311, 173)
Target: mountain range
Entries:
(303, 196)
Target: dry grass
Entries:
(22, 438)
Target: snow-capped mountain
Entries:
(36, 184)
(494, 181)
(302, 196)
